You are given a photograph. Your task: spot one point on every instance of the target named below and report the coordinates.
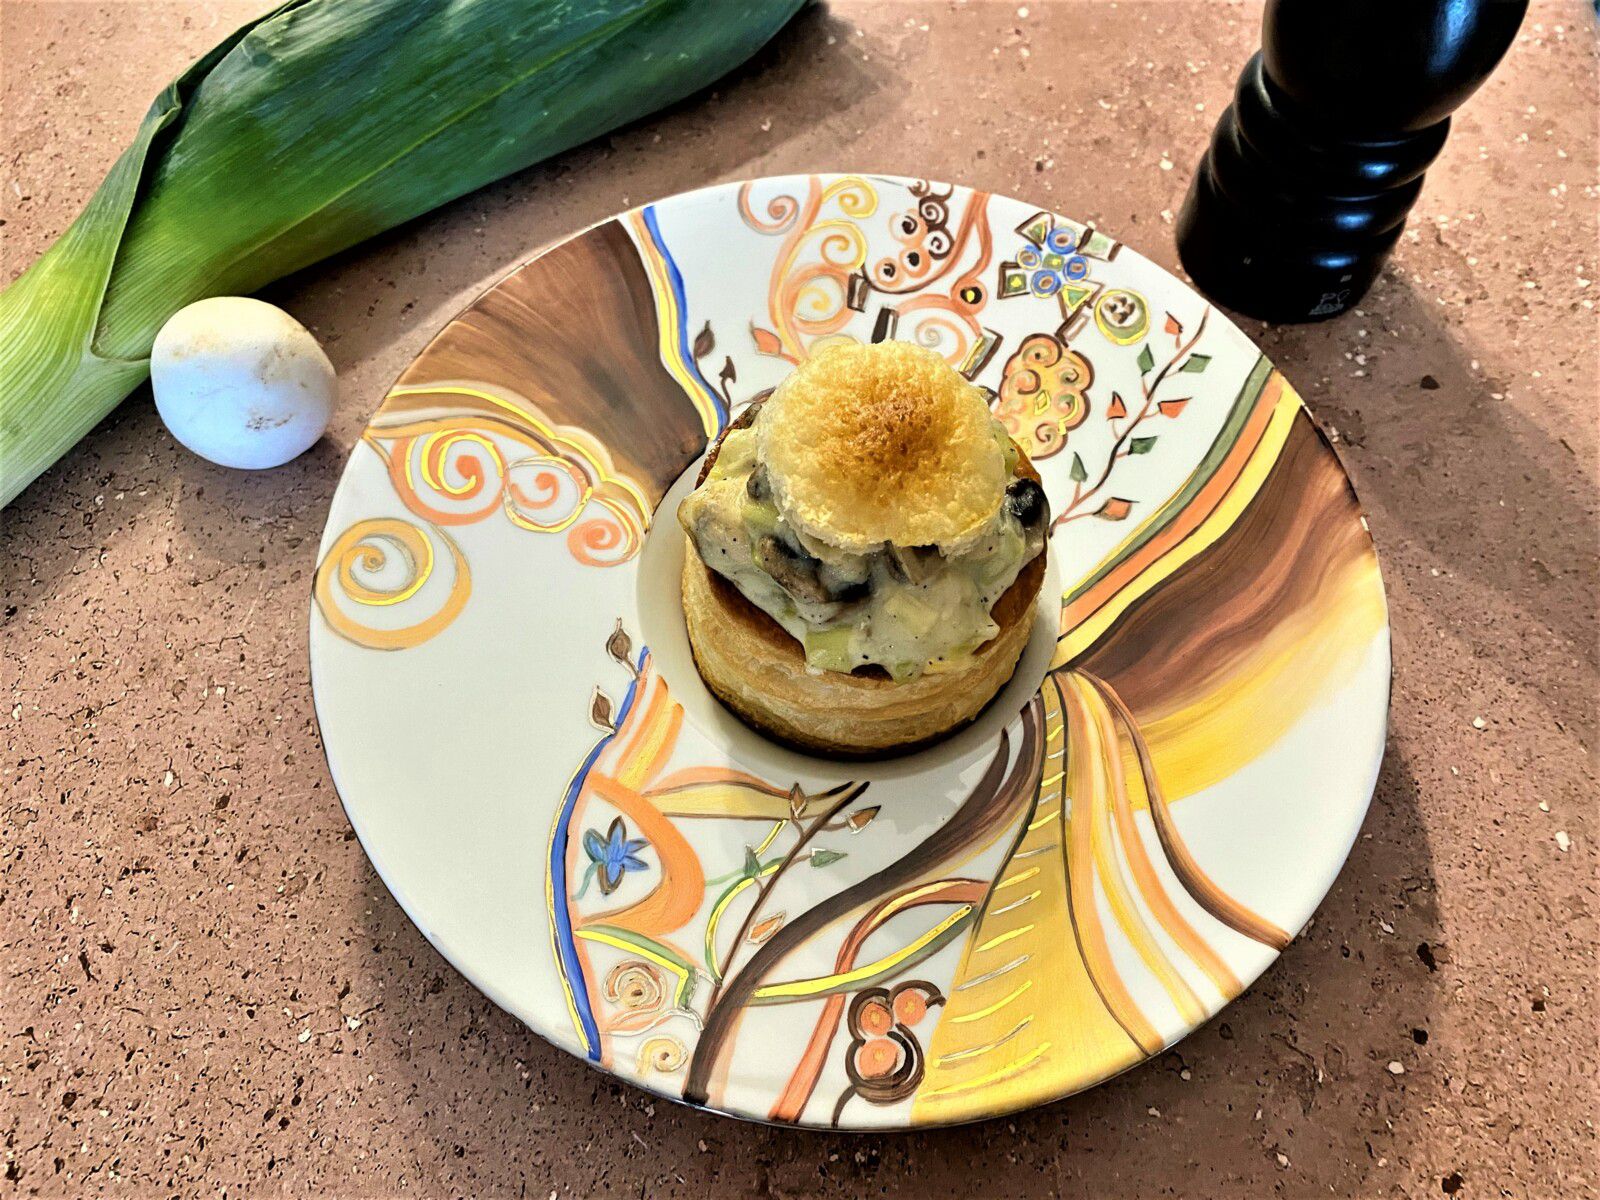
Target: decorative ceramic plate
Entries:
(1122, 842)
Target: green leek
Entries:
(316, 126)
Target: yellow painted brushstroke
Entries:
(1075, 641)
(822, 983)
(1084, 710)
(737, 800)
(988, 1046)
(1306, 657)
(1086, 784)
(979, 1060)
(991, 1009)
(668, 319)
(1002, 939)
(637, 951)
(1044, 819)
(544, 431)
(772, 836)
(1013, 880)
(982, 1081)
(1138, 858)
(653, 744)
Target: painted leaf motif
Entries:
(1115, 509)
(1141, 445)
(728, 373)
(1147, 361)
(600, 710)
(620, 646)
(766, 341)
(1173, 325)
(1196, 363)
(861, 818)
(821, 857)
(1171, 408)
(752, 864)
(764, 929)
(1117, 409)
(704, 342)
(797, 802)
(1078, 472)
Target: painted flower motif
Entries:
(1046, 266)
(612, 856)
(885, 1060)
(1044, 394)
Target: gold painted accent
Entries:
(1031, 896)
(1068, 1019)
(668, 319)
(958, 1055)
(1003, 938)
(355, 546)
(1016, 879)
(721, 907)
(989, 1080)
(1044, 819)
(522, 416)
(823, 983)
(991, 1009)
(644, 952)
(436, 446)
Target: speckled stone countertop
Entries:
(206, 990)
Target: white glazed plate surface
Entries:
(1118, 847)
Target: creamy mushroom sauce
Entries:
(905, 609)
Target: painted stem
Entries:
(765, 887)
(1117, 453)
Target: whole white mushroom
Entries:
(240, 382)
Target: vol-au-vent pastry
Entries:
(866, 549)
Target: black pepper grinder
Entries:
(1314, 166)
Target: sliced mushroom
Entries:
(794, 571)
(757, 487)
(1027, 502)
(916, 564)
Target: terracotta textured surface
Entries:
(206, 990)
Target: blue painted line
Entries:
(570, 966)
(684, 347)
